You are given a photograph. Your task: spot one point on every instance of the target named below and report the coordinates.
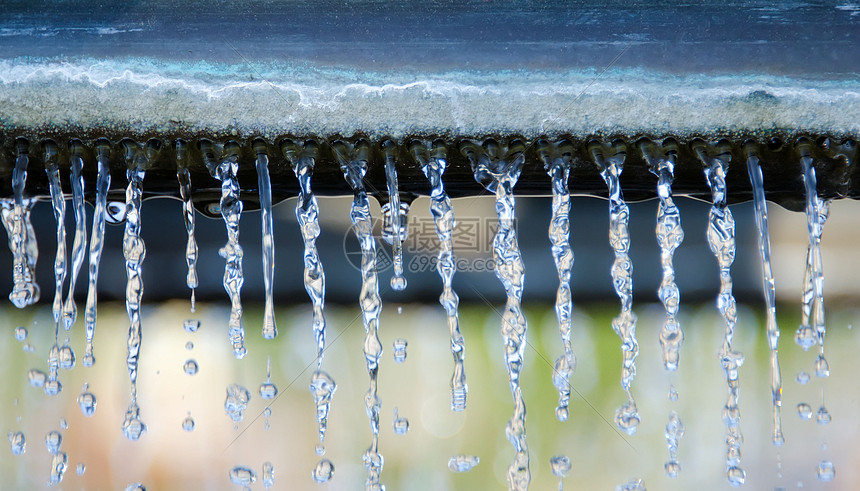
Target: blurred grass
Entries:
(168, 458)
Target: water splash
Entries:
(231, 208)
(627, 416)
(96, 246)
(184, 178)
(769, 289)
(497, 168)
(58, 204)
(433, 163)
(79, 245)
(264, 185)
(393, 211)
(721, 239)
(557, 162)
(353, 160)
(134, 252)
(302, 158)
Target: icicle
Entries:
(627, 416)
(721, 239)
(557, 162)
(25, 291)
(353, 162)
(769, 290)
(231, 209)
(184, 178)
(302, 158)
(433, 162)
(264, 186)
(669, 237)
(134, 251)
(497, 168)
(97, 237)
(58, 202)
(79, 246)
(393, 210)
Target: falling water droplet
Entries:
(80, 469)
(822, 368)
(135, 486)
(189, 346)
(736, 476)
(802, 378)
(132, 426)
(560, 465)
(401, 425)
(37, 378)
(191, 325)
(268, 390)
(264, 187)
(673, 393)
(64, 423)
(236, 402)
(188, 423)
(87, 401)
(59, 463)
(66, 358)
(400, 350)
(826, 472)
(29, 348)
(242, 476)
(674, 432)
(21, 333)
(53, 440)
(319, 449)
(822, 417)
(463, 463)
(433, 162)
(632, 485)
(804, 411)
(268, 475)
(323, 471)
(17, 442)
(190, 367)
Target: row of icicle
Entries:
(497, 167)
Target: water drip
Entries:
(721, 239)
(264, 185)
(497, 167)
(353, 158)
(769, 290)
(432, 159)
(96, 246)
(557, 162)
(610, 161)
(184, 178)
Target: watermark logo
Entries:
(472, 240)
